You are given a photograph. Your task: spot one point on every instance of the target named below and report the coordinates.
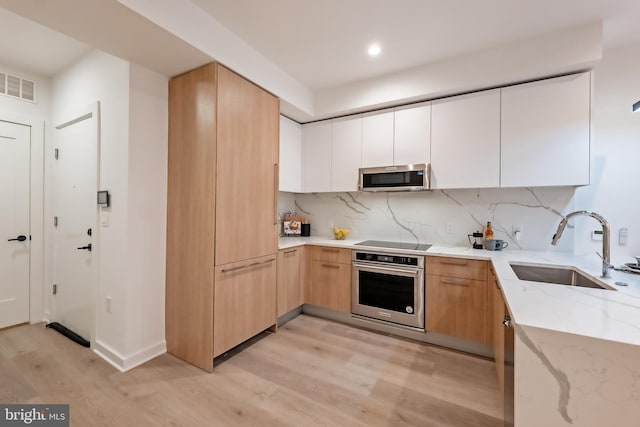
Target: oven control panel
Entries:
(387, 258)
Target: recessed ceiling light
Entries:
(374, 50)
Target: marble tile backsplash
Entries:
(441, 217)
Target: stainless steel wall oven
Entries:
(388, 287)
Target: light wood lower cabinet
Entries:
(329, 278)
(456, 297)
(290, 279)
(244, 301)
(497, 316)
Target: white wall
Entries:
(615, 152)
(35, 115)
(147, 217)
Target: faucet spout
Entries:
(606, 239)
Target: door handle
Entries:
(85, 248)
(20, 238)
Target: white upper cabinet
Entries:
(346, 148)
(377, 139)
(412, 135)
(465, 141)
(316, 157)
(545, 132)
(290, 155)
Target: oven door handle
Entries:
(386, 269)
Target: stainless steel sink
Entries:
(557, 275)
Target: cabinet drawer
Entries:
(324, 253)
(244, 301)
(456, 307)
(457, 267)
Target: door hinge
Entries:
(56, 153)
(55, 221)
(55, 289)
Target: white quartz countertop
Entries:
(612, 315)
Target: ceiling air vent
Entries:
(17, 87)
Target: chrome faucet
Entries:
(606, 254)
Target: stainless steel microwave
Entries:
(394, 178)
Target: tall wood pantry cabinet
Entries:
(221, 213)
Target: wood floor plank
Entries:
(312, 372)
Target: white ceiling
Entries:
(318, 45)
(322, 43)
(34, 47)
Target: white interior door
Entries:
(75, 184)
(15, 149)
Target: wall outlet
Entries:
(623, 234)
(108, 304)
(517, 232)
(451, 229)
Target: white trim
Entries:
(77, 114)
(124, 364)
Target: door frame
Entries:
(36, 209)
(70, 117)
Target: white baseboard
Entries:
(122, 363)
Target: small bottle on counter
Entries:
(488, 232)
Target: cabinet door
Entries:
(247, 168)
(545, 132)
(290, 283)
(412, 135)
(330, 285)
(497, 316)
(377, 139)
(290, 155)
(316, 157)
(456, 307)
(457, 267)
(244, 301)
(346, 146)
(465, 141)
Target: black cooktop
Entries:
(395, 245)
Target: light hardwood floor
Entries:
(311, 372)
